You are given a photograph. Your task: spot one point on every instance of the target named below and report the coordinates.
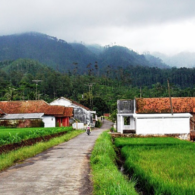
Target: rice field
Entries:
(107, 179)
(16, 135)
(10, 158)
(160, 165)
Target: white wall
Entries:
(162, 126)
(78, 126)
(61, 102)
(120, 123)
(49, 121)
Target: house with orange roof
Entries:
(159, 116)
(81, 113)
(34, 113)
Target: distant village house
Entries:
(81, 113)
(33, 113)
(152, 116)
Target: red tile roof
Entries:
(34, 106)
(162, 105)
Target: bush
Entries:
(98, 124)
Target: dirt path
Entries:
(63, 169)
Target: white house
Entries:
(81, 113)
(152, 116)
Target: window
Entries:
(126, 120)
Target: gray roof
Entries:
(22, 116)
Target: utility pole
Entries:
(170, 96)
(36, 81)
(140, 92)
(90, 85)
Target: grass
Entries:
(16, 135)
(107, 179)
(161, 165)
(9, 159)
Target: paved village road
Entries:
(63, 169)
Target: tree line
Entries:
(98, 89)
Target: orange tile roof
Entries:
(34, 106)
(162, 105)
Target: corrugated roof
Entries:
(34, 106)
(162, 105)
(22, 116)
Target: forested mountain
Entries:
(63, 56)
(68, 69)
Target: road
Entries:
(63, 169)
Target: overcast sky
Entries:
(166, 26)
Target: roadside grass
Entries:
(16, 135)
(160, 165)
(10, 158)
(107, 179)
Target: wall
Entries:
(83, 115)
(120, 122)
(49, 121)
(78, 126)
(61, 102)
(162, 126)
(62, 121)
(22, 123)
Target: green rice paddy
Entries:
(16, 135)
(160, 165)
(107, 179)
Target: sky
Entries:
(165, 26)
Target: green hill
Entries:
(62, 56)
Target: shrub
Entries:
(98, 124)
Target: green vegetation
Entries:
(8, 159)
(8, 136)
(160, 165)
(150, 141)
(107, 179)
(108, 85)
(98, 124)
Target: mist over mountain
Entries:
(62, 56)
(183, 59)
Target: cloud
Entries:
(137, 24)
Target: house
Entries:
(146, 116)
(81, 113)
(33, 113)
(107, 114)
